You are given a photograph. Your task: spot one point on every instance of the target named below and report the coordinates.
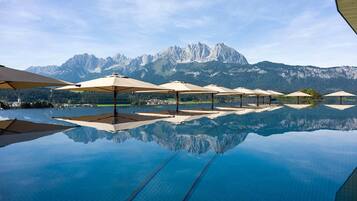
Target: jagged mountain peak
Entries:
(83, 56)
(201, 52)
(225, 54)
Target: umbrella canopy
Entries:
(348, 10)
(274, 93)
(244, 91)
(14, 131)
(112, 83)
(339, 94)
(261, 92)
(185, 88)
(222, 91)
(179, 87)
(17, 79)
(298, 94)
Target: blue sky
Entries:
(42, 32)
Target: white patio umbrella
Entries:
(260, 92)
(245, 92)
(113, 84)
(17, 79)
(273, 93)
(298, 94)
(222, 91)
(179, 87)
(340, 94)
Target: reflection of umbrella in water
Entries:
(14, 131)
(17, 79)
(340, 94)
(275, 108)
(211, 114)
(245, 111)
(111, 123)
(220, 114)
(340, 107)
(229, 108)
(298, 106)
(264, 109)
(112, 84)
(178, 117)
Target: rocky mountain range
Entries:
(201, 64)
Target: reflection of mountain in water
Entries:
(226, 132)
(164, 134)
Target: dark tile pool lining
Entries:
(147, 180)
(199, 178)
(161, 166)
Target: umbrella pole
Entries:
(212, 101)
(115, 102)
(340, 100)
(241, 100)
(257, 100)
(269, 100)
(298, 100)
(177, 101)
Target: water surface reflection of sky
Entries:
(284, 154)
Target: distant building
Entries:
(157, 102)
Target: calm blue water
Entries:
(280, 155)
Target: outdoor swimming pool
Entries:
(272, 155)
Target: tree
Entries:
(312, 92)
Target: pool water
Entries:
(278, 155)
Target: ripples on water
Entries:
(282, 154)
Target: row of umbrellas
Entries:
(16, 79)
(117, 84)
